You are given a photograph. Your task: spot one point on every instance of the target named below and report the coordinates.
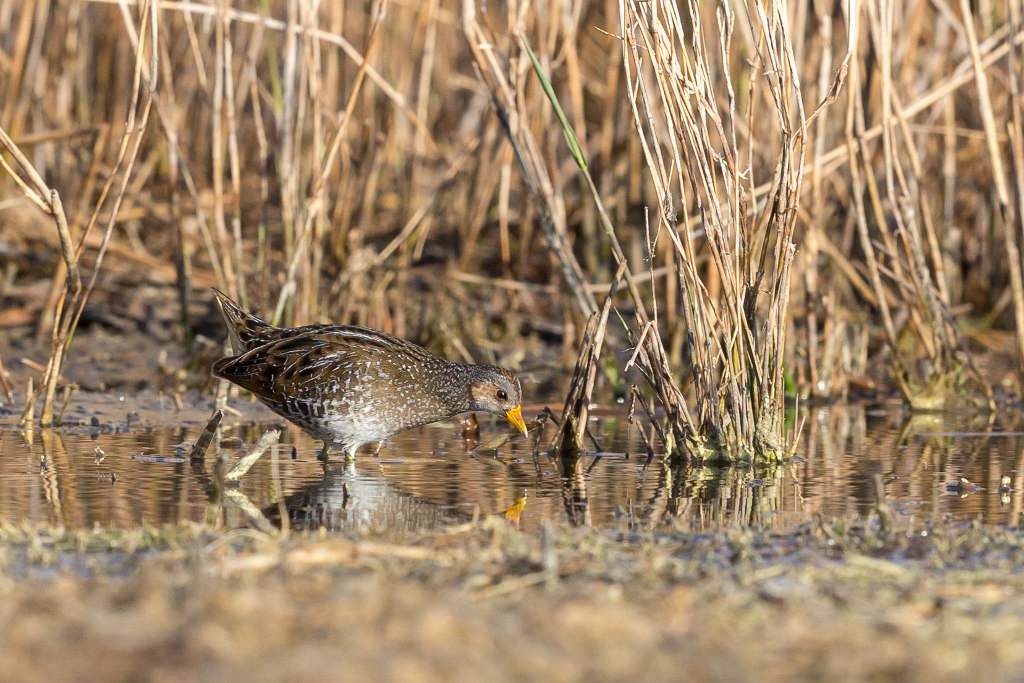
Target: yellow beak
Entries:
(515, 416)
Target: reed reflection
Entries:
(435, 477)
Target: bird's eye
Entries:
(502, 396)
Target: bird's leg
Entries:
(324, 452)
(380, 445)
(350, 454)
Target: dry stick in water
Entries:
(206, 438)
(569, 436)
(268, 439)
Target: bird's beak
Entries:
(515, 416)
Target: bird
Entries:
(350, 386)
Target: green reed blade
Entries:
(570, 134)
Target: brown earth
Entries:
(485, 602)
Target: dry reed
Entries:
(371, 163)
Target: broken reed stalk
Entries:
(568, 437)
(198, 453)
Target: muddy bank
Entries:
(483, 601)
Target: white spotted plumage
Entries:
(351, 385)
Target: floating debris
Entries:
(142, 457)
(1005, 489)
(232, 442)
(963, 486)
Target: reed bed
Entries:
(811, 199)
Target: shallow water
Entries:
(432, 476)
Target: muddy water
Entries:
(433, 476)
